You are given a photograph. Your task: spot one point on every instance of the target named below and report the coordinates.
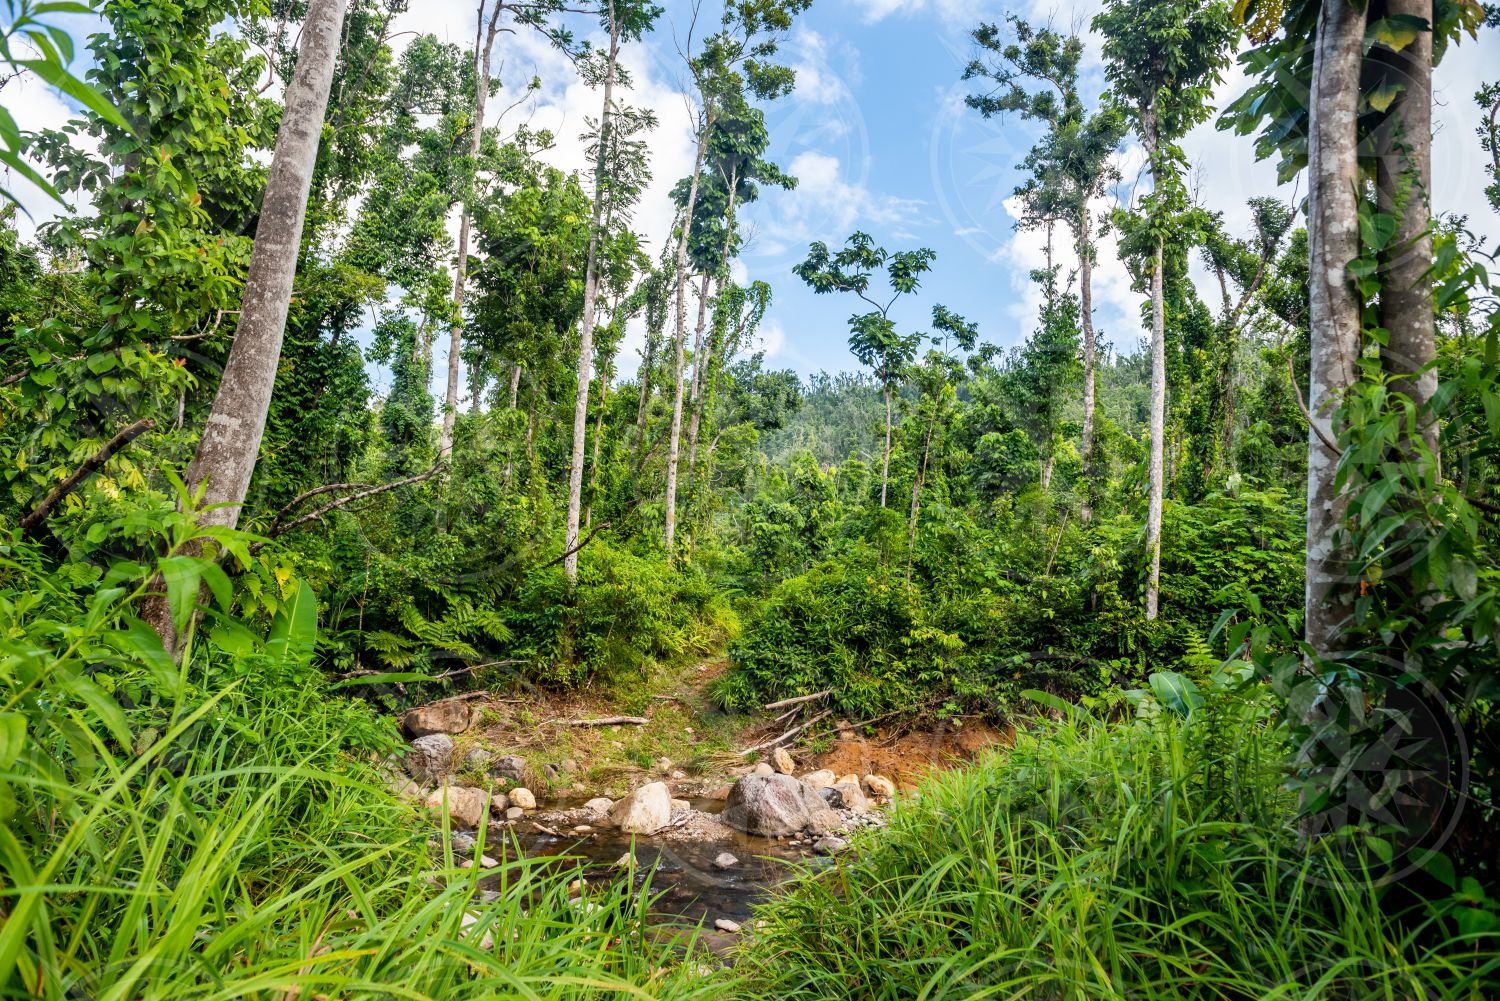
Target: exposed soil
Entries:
(905, 756)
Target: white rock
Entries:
(644, 811)
(485, 862)
(664, 764)
(820, 779)
(724, 924)
(879, 785)
(681, 804)
(469, 920)
(599, 805)
(848, 778)
(724, 860)
(514, 813)
(583, 829)
(762, 769)
(830, 845)
(679, 775)
(523, 798)
(783, 761)
(464, 805)
(430, 758)
(625, 861)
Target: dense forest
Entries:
(327, 398)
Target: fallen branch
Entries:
(454, 673)
(1302, 406)
(788, 735)
(605, 721)
(569, 552)
(278, 529)
(89, 468)
(801, 698)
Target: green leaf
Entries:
(294, 631)
(1176, 692)
(1384, 95)
(59, 77)
(140, 641)
(12, 738)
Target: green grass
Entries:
(1147, 860)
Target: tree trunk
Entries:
(586, 326)
(1403, 149)
(696, 391)
(885, 461)
(1045, 472)
(1086, 316)
(712, 359)
(1333, 309)
(674, 446)
(1158, 435)
(461, 268)
(227, 452)
(605, 374)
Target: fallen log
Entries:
(606, 721)
(789, 734)
(799, 699)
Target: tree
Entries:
(936, 380)
(619, 175)
(873, 337)
(1162, 59)
(1068, 168)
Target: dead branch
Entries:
(788, 735)
(1302, 406)
(278, 529)
(605, 721)
(569, 552)
(89, 468)
(801, 698)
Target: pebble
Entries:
(724, 860)
(583, 829)
(485, 862)
(664, 764)
(724, 924)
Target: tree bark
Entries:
(712, 359)
(586, 325)
(1158, 435)
(1333, 308)
(1403, 172)
(696, 389)
(885, 460)
(1085, 249)
(482, 52)
(674, 445)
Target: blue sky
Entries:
(880, 139)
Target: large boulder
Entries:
(448, 716)
(466, 805)
(430, 758)
(645, 811)
(776, 806)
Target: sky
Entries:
(878, 135)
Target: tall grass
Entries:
(1147, 860)
(226, 833)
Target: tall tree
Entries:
(1035, 74)
(1162, 59)
(873, 337)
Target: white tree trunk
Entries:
(1333, 309)
(712, 360)
(674, 443)
(1086, 315)
(885, 460)
(461, 267)
(586, 326)
(1158, 435)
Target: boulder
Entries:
(879, 785)
(783, 761)
(430, 758)
(845, 796)
(465, 805)
(820, 779)
(448, 716)
(599, 805)
(523, 798)
(776, 806)
(848, 777)
(644, 811)
(477, 760)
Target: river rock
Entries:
(465, 805)
(724, 860)
(664, 764)
(430, 758)
(514, 813)
(523, 798)
(477, 761)
(448, 716)
(466, 930)
(845, 796)
(830, 845)
(681, 804)
(763, 769)
(720, 793)
(879, 785)
(644, 811)
(849, 778)
(724, 924)
(599, 805)
(783, 761)
(514, 769)
(776, 806)
(569, 765)
(820, 779)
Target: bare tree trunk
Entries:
(695, 396)
(885, 461)
(643, 406)
(461, 268)
(586, 326)
(1333, 309)
(605, 374)
(674, 446)
(1086, 315)
(1045, 476)
(227, 452)
(1158, 435)
(1403, 188)
(711, 360)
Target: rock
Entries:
(762, 769)
(845, 796)
(465, 805)
(879, 785)
(523, 798)
(849, 778)
(820, 779)
(514, 813)
(514, 769)
(664, 764)
(681, 804)
(407, 790)
(430, 758)
(724, 924)
(583, 829)
(724, 860)
(569, 765)
(466, 925)
(721, 793)
(485, 862)
(783, 761)
(830, 845)
(625, 861)
(678, 774)
(448, 716)
(599, 805)
(477, 760)
(845, 730)
(644, 811)
(776, 806)
(551, 772)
